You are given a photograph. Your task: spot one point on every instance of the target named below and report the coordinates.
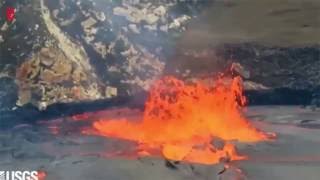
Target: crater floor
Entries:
(294, 154)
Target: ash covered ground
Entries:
(70, 155)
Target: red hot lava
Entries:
(181, 120)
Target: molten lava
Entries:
(181, 121)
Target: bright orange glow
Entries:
(181, 120)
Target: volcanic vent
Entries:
(181, 120)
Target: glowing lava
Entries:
(182, 120)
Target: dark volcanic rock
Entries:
(79, 50)
(316, 97)
(128, 42)
(273, 75)
(88, 50)
(294, 72)
(47, 66)
(8, 93)
(278, 67)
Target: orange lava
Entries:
(182, 120)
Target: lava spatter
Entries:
(180, 120)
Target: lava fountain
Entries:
(182, 120)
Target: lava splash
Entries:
(182, 120)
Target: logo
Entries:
(10, 13)
(2, 175)
(19, 175)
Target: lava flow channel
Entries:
(181, 121)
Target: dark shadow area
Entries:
(282, 96)
(29, 114)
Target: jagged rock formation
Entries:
(18, 39)
(47, 66)
(49, 77)
(291, 67)
(79, 50)
(71, 51)
(128, 40)
(263, 68)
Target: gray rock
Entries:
(238, 69)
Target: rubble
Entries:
(238, 69)
(8, 94)
(49, 77)
(67, 22)
(111, 92)
(100, 16)
(48, 57)
(88, 23)
(250, 85)
(160, 11)
(134, 28)
(277, 67)
(273, 71)
(178, 22)
(119, 36)
(126, 46)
